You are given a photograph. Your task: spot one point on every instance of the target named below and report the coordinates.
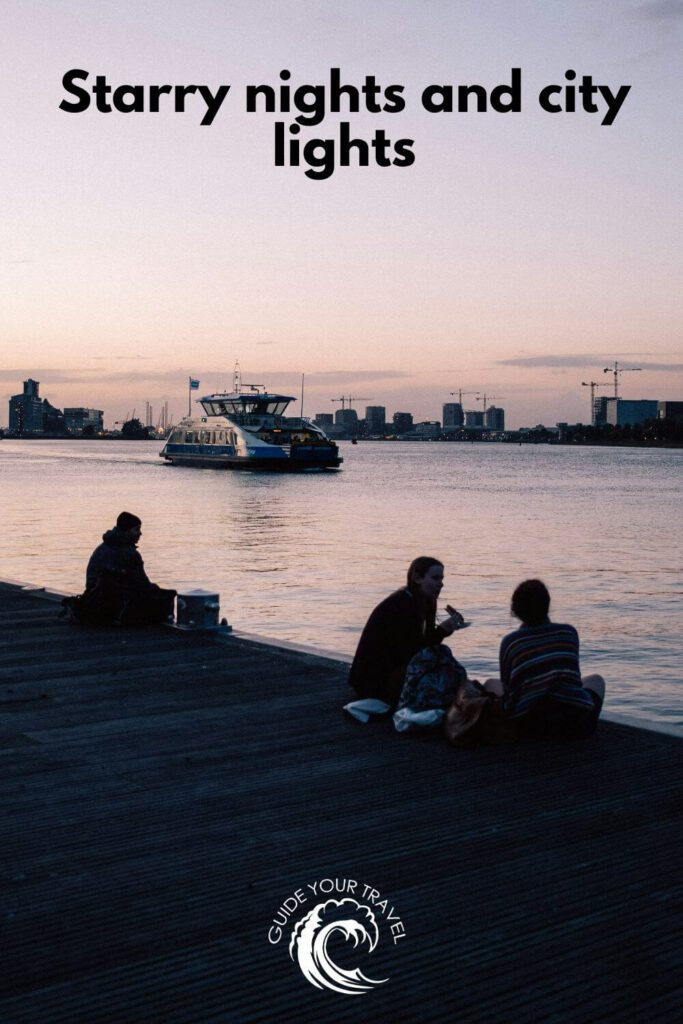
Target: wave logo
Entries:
(327, 931)
(310, 938)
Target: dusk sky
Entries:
(520, 254)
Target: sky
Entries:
(519, 255)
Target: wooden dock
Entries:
(164, 794)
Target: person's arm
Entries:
(578, 660)
(504, 664)
(435, 635)
(135, 570)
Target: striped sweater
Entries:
(539, 661)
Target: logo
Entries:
(334, 929)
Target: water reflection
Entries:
(305, 557)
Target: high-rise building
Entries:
(474, 418)
(452, 414)
(346, 418)
(375, 419)
(600, 410)
(403, 422)
(494, 418)
(324, 419)
(26, 410)
(625, 411)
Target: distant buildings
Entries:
(455, 419)
(84, 421)
(33, 416)
(600, 410)
(670, 410)
(26, 410)
(346, 418)
(403, 422)
(621, 412)
(428, 428)
(375, 419)
(494, 418)
(452, 415)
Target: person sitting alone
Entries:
(400, 626)
(540, 678)
(117, 588)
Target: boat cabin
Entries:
(237, 405)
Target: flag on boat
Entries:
(194, 383)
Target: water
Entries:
(306, 557)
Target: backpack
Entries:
(431, 682)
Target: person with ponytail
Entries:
(397, 629)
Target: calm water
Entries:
(306, 557)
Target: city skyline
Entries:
(519, 255)
(463, 412)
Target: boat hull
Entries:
(282, 464)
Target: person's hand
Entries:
(454, 621)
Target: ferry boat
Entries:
(247, 429)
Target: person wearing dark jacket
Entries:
(117, 586)
(118, 553)
(397, 629)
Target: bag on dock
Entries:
(431, 683)
(476, 716)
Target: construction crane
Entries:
(350, 398)
(593, 384)
(482, 398)
(460, 393)
(616, 370)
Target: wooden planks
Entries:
(163, 794)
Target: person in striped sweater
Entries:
(540, 678)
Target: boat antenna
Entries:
(302, 398)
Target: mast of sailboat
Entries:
(302, 399)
